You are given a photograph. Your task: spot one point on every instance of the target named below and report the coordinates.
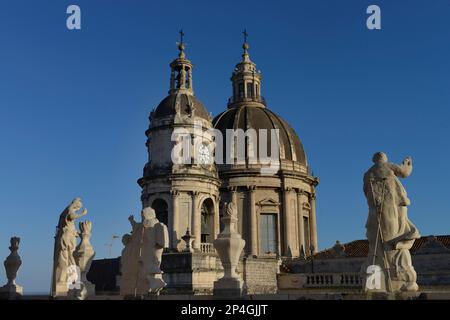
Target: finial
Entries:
(245, 46)
(181, 44)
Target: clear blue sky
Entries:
(74, 105)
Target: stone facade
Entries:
(276, 212)
(288, 194)
(275, 209)
(183, 195)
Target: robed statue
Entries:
(64, 264)
(141, 273)
(389, 231)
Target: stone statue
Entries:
(142, 255)
(65, 245)
(389, 231)
(229, 245)
(12, 264)
(84, 254)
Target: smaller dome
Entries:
(187, 103)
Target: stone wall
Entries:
(193, 273)
(260, 275)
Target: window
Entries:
(268, 234)
(207, 222)
(161, 211)
(250, 90)
(241, 90)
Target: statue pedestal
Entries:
(230, 288)
(229, 245)
(379, 295)
(156, 283)
(60, 290)
(86, 290)
(11, 292)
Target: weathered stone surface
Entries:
(141, 257)
(12, 264)
(389, 231)
(229, 245)
(84, 254)
(65, 245)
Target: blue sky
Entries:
(74, 105)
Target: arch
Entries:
(161, 210)
(207, 221)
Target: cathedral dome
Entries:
(187, 103)
(245, 117)
(247, 110)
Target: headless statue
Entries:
(141, 257)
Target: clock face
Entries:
(204, 155)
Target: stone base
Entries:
(156, 284)
(60, 291)
(228, 288)
(379, 295)
(405, 295)
(86, 290)
(11, 292)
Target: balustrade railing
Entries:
(207, 248)
(334, 280)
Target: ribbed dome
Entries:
(245, 117)
(167, 107)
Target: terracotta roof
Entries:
(360, 248)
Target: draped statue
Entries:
(142, 256)
(65, 245)
(389, 231)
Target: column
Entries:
(172, 79)
(313, 222)
(216, 217)
(190, 79)
(301, 227)
(253, 247)
(287, 223)
(174, 225)
(239, 225)
(196, 221)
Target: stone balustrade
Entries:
(318, 280)
(207, 248)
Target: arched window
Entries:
(250, 90)
(161, 210)
(241, 90)
(207, 227)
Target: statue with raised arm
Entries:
(65, 245)
(389, 231)
(141, 273)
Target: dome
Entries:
(167, 107)
(245, 117)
